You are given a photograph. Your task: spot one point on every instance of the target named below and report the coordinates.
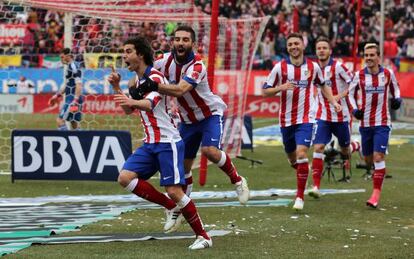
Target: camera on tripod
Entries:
(333, 157)
(330, 154)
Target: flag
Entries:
(50, 61)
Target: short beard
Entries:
(182, 59)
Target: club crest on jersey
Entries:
(307, 74)
(195, 75)
(383, 79)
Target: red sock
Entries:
(227, 166)
(355, 146)
(190, 214)
(317, 168)
(378, 178)
(188, 187)
(146, 191)
(302, 172)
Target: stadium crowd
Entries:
(330, 18)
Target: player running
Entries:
(200, 110)
(295, 78)
(163, 148)
(372, 85)
(328, 121)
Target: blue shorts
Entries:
(374, 139)
(325, 129)
(299, 134)
(208, 132)
(168, 158)
(66, 115)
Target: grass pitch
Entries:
(335, 226)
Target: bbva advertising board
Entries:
(69, 155)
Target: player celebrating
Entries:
(163, 148)
(71, 113)
(295, 78)
(201, 111)
(374, 84)
(328, 121)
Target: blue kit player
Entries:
(70, 114)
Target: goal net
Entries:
(32, 32)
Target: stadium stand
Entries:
(331, 18)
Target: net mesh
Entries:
(97, 30)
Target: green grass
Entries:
(322, 230)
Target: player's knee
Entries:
(212, 153)
(175, 192)
(301, 154)
(379, 157)
(319, 148)
(124, 179)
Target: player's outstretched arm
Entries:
(176, 90)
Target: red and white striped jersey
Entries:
(338, 77)
(372, 92)
(199, 103)
(298, 105)
(158, 124)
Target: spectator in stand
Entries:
(280, 46)
(12, 49)
(267, 51)
(332, 18)
(409, 48)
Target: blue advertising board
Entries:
(247, 133)
(50, 80)
(69, 155)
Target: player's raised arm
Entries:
(114, 79)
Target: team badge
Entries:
(307, 74)
(195, 75)
(383, 79)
